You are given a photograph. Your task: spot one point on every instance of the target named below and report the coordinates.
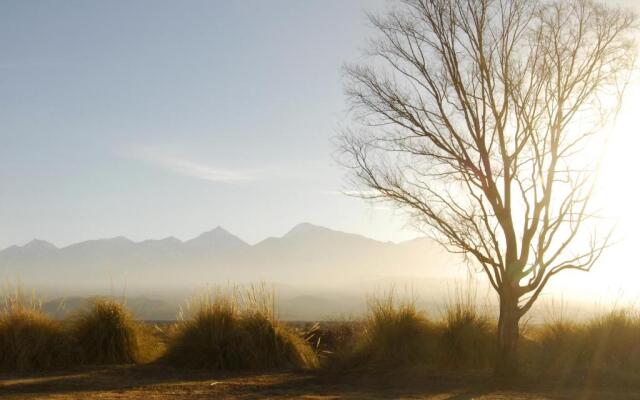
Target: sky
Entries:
(151, 119)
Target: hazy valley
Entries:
(317, 272)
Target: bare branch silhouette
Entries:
(485, 119)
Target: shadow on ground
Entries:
(153, 382)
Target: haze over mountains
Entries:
(315, 269)
(307, 255)
(316, 272)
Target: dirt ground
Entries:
(154, 382)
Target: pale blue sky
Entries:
(157, 118)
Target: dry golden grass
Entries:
(607, 346)
(106, 333)
(233, 329)
(394, 333)
(29, 340)
(237, 330)
(466, 335)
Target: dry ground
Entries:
(154, 382)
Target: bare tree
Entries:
(485, 119)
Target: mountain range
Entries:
(307, 255)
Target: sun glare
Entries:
(616, 196)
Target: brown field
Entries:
(152, 382)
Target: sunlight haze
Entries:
(327, 199)
(119, 119)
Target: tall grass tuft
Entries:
(466, 334)
(106, 333)
(560, 349)
(612, 341)
(395, 333)
(29, 340)
(605, 346)
(234, 330)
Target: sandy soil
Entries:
(153, 382)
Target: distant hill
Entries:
(308, 255)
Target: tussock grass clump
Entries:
(29, 340)
(606, 346)
(395, 333)
(234, 331)
(560, 348)
(106, 333)
(467, 337)
(612, 341)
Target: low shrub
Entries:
(332, 339)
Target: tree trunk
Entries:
(506, 362)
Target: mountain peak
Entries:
(39, 244)
(118, 239)
(217, 236)
(219, 229)
(305, 228)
